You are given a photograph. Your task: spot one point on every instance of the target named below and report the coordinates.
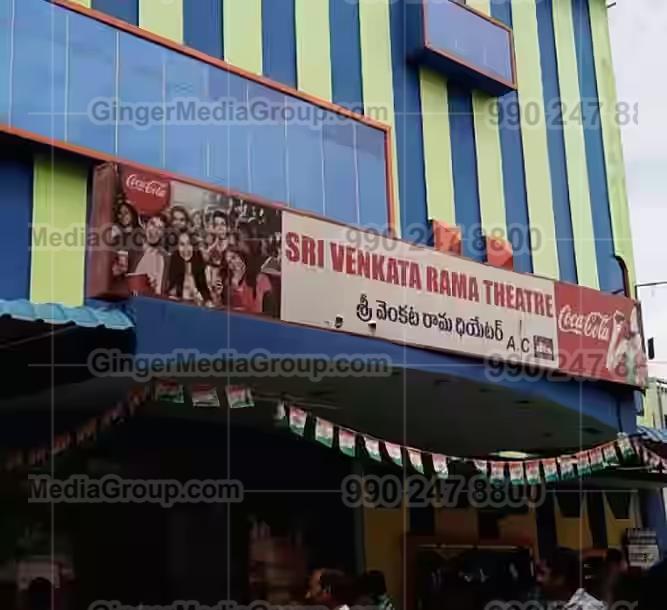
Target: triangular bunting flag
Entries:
(239, 397)
(347, 441)
(280, 414)
(440, 465)
(394, 452)
(324, 432)
(482, 466)
(297, 420)
(204, 395)
(566, 463)
(550, 470)
(653, 460)
(533, 472)
(497, 472)
(610, 455)
(415, 458)
(597, 459)
(373, 448)
(516, 473)
(583, 463)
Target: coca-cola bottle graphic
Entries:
(617, 340)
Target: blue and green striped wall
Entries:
(535, 166)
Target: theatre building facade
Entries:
(399, 228)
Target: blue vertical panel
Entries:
(127, 10)
(340, 172)
(556, 143)
(611, 278)
(218, 132)
(15, 233)
(202, 26)
(238, 160)
(185, 138)
(371, 166)
(514, 173)
(305, 162)
(6, 28)
(268, 171)
(40, 67)
(464, 171)
(141, 82)
(279, 41)
(346, 54)
(409, 137)
(91, 83)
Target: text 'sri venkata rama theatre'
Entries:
(303, 244)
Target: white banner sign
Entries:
(339, 277)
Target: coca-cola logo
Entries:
(151, 187)
(594, 325)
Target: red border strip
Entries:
(513, 84)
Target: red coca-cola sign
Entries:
(147, 192)
(599, 335)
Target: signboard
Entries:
(643, 550)
(164, 238)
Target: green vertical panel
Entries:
(437, 147)
(162, 17)
(489, 160)
(242, 24)
(376, 72)
(59, 210)
(534, 136)
(575, 147)
(611, 135)
(313, 51)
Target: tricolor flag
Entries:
(497, 472)
(373, 448)
(597, 459)
(583, 463)
(625, 446)
(566, 463)
(415, 458)
(169, 391)
(440, 465)
(347, 441)
(482, 466)
(533, 472)
(394, 452)
(297, 420)
(324, 432)
(204, 395)
(610, 455)
(551, 470)
(516, 473)
(239, 397)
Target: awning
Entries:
(654, 435)
(57, 315)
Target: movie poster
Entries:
(152, 236)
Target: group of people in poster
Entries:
(221, 255)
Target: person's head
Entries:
(219, 224)
(155, 230)
(559, 574)
(179, 219)
(185, 247)
(198, 220)
(126, 216)
(40, 592)
(373, 584)
(328, 587)
(236, 262)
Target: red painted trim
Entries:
(219, 63)
(460, 60)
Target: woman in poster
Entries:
(244, 289)
(187, 277)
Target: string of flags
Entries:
(87, 431)
(529, 471)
